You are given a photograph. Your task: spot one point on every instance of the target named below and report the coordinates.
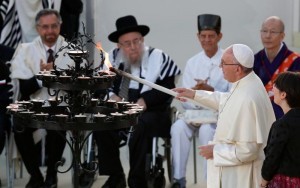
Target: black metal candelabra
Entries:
(72, 106)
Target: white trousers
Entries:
(181, 138)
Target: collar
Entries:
(281, 45)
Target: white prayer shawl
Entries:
(19, 19)
(26, 63)
(27, 11)
(11, 29)
(245, 118)
(152, 66)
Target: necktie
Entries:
(50, 57)
(123, 93)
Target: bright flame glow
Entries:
(106, 62)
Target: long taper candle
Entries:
(153, 85)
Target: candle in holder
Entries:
(99, 117)
(80, 118)
(27, 113)
(41, 116)
(94, 102)
(54, 102)
(65, 79)
(110, 103)
(61, 117)
(37, 103)
(121, 105)
(99, 79)
(117, 115)
(131, 113)
(84, 79)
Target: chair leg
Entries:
(195, 159)
(8, 165)
(168, 157)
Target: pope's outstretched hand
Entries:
(184, 93)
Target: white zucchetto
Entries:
(243, 54)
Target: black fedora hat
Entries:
(127, 24)
(209, 22)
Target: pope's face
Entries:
(209, 40)
(48, 28)
(132, 45)
(229, 67)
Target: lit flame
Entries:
(106, 61)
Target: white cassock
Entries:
(202, 67)
(245, 118)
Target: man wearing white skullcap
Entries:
(235, 155)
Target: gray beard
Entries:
(129, 61)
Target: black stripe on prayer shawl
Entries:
(11, 25)
(3, 8)
(14, 37)
(46, 4)
(150, 50)
(168, 68)
(115, 53)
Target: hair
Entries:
(46, 12)
(288, 82)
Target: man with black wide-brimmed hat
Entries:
(201, 72)
(152, 64)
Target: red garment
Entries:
(282, 181)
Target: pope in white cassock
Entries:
(235, 155)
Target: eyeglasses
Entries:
(52, 26)
(223, 63)
(266, 32)
(134, 42)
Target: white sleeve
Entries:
(208, 99)
(19, 69)
(235, 154)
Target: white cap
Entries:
(243, 54)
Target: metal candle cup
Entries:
(99, 79)
(117, 115)
(81, 118)
(84, 80)
(94, 102)
(99, 117)
(25, 104)
(131, 114)
(110, 103)
(41, 116)
(49, 77)
(27, 114)
(37, 103)
(121, 105)
(61, 118)
(64, 79)
(54, 102)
